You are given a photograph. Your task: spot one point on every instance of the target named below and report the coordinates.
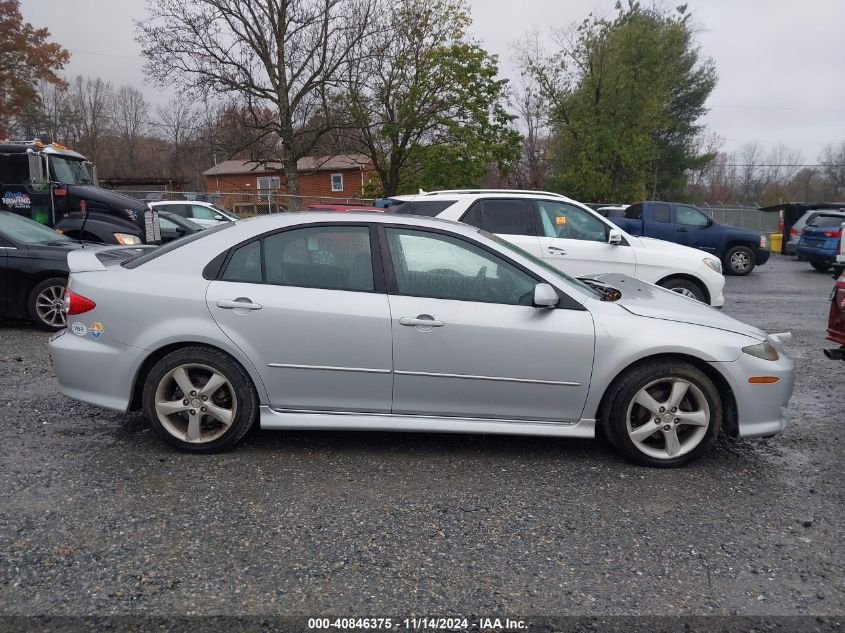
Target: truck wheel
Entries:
(663, 413)
(822, 267)
(684, 287)
(46, 304)
(740, 260)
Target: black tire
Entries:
(820, 266)
(243, 396)
(620, 399)
(685, 287)
(48, 292)
(740, 261)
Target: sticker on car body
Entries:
(80, 329)
(96, 330)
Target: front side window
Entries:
(506, 217)
(443, 267)
(691, 216)
(182, 210)
(337, 182)
(559, 219)
(330, 257)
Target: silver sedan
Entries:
(366, 321)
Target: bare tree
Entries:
(176, 122)
(90, 100)
(282, 56)
(130, 113)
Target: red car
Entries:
(836, 320)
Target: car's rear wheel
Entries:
(200, 400)
(663, 414)
(740, 260)
(684, 287)
(46, 304)
(820, 266)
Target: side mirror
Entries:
(545, 296)
(709, 221)
(614, 237)
(219, 218)
(36, 170)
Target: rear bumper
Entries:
(814, 253)
(96, 371)
(761, 408)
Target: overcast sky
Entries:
(781, 63)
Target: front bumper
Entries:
(762, 256)
(97, 371)
(761, 408)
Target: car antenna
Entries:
(83, 206)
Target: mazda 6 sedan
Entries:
(384, 322)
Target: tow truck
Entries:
(56, 186)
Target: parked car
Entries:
(797, 229)
(203, 213)
(377, 321)
(574, 238)
(819, 243)
(836, 320)
(740, 250)
(174, 226)
(34, 271)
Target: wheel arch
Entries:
(153, 357)
(738, 241)
(692, 279)
(730, 424)
(36, 278)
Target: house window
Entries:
(265, 185)
(337, 182)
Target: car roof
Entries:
(290, 218)
(471, 194)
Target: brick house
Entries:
(341, 176)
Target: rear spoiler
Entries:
(98, 258)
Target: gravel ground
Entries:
(97, 516)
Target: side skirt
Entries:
(334, 421)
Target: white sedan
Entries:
(203, 213)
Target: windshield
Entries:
(70, 171)
(26, 230)
(562, 276)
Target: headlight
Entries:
(764, 241)
(715, 264)
(764, 350)
(127, 239)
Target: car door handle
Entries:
(418, 322)
(238, 304)
(557, 250)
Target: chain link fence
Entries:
(744, 217)
(244, 203)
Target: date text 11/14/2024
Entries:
(418, 623)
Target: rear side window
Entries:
(14, 170)
(427, 208)
(245, 264)
(506, 217)
(661, 213)
(330, 257)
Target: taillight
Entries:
(793, 231)
(831, 233)
(77, 304)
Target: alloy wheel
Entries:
(668, 418)
(740, 261)
(49, 305)
(195, 403)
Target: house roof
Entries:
(306, 164)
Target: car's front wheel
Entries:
(200, 399)
(46, 304)
(740, 260)
(684, 287)
(663, 413)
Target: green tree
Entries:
(26, 56)
(426, 105)
(627, 94)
